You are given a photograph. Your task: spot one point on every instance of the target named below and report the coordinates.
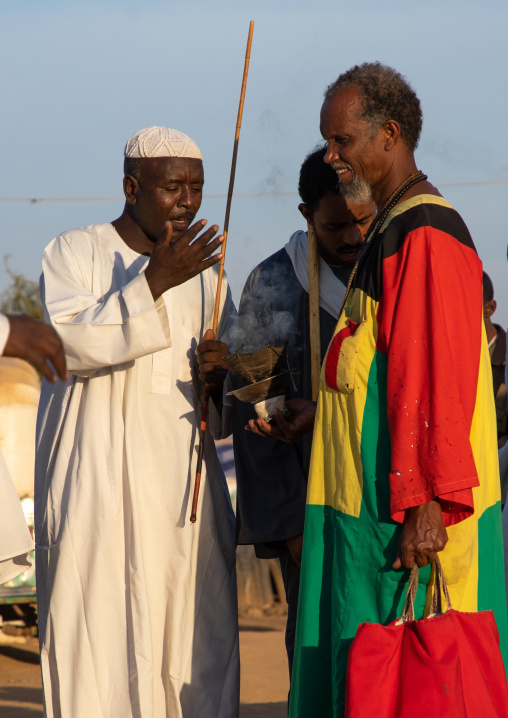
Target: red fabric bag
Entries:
(445, 666)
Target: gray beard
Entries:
(357, 191)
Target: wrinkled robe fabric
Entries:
(137, 606)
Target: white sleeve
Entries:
(96, 333)
(15, 540)
(5, 328)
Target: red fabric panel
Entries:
(430, 321)
(448, 665)
(333, 354)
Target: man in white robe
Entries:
(24, 338)
(137, 606)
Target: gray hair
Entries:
(386, 95)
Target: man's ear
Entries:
(307, 212)
(130, 188)
(392, 134)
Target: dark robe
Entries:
(498, 361)
(272, 475)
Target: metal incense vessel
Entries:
(266, 374)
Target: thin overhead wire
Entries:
(38, 200)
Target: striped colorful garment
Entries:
(405, 414)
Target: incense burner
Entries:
(266, 374)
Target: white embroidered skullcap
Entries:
(161, 142)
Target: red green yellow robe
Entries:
(405, 415)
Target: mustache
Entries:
(341, 166)
(182, 216)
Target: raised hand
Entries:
(174, 261)
(38, 344)
(300, 422)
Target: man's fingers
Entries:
(280, 421)
(39, 361)
(207, 369)
(423, 559)
(206, 263)
(195, 229)
(211, 346)
(405, 557)
(263, 428)
(204, 238)
(46, 371)
(210, 247)
(52, 350)
(164, 239)
(257, 426)
(58, 361)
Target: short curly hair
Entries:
(316, 178)
(386, 95)
(488, 288)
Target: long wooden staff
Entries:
(207, 389)
(315, 333)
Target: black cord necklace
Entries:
(373, 232)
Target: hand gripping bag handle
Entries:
(440, 589)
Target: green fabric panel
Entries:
(310, 694)
(491, 580)
(346, 571)
(344, 582)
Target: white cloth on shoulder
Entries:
(331, 290)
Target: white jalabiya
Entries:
(137, 606)
(331, 290)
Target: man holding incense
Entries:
(404, 456)
(137, 606)
(274, 309)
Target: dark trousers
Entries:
(291, 577)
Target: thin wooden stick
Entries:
(315, 333)
(232, 176)
(207, 390)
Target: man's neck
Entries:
(397, 173)
(132, 234)
(490, 329)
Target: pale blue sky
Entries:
(80, 77)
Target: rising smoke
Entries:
(269, 308)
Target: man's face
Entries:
(488, 309)
(355, 150)
(169, 188)
(340, 226)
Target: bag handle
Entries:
(440, 588)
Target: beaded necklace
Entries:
(373, 232)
